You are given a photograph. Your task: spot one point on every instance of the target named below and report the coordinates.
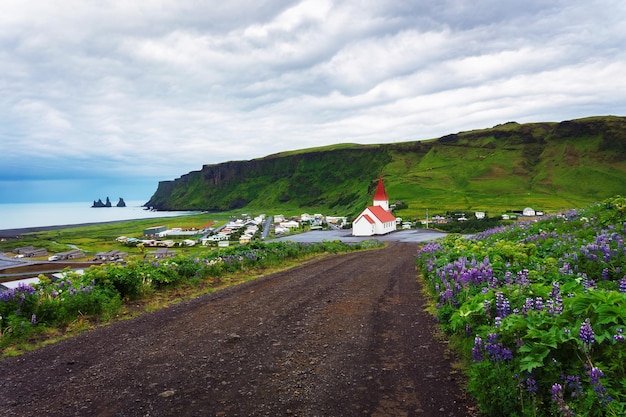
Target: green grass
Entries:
(101, 237)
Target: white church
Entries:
(375, 219)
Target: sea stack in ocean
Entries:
(99, 203)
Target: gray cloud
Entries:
(155, 89)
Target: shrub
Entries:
(539, 311)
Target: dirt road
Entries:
(341, 336)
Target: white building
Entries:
(375, 219)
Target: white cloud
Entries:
(159, 88)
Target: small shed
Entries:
(23, 250)
(72, 254)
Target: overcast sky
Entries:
(108, 97)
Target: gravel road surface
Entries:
(345, 335)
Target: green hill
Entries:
(547, 166)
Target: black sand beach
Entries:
(15, 233)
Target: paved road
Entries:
(407, 236)
(6, 262)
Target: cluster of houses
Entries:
(32, 252)
(378, 218)
(110, 256)
(243, 230)
(29, 252)
(527, 213)
(67, 256)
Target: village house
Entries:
(375, 219)
(112, 255)
(65, 256)
(338, 221)
(290, 224)
(30, 252)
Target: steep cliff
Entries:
(549, 165)
(308, 179)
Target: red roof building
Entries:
(375, 219)
(380, 197)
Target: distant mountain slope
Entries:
(549, 166)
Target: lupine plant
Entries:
(100, 291)
(538, 309)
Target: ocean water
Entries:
(17, 216)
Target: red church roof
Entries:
(380, 191)
(369, 219)
(382, 214)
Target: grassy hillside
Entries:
(547, 166)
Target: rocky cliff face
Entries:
(303, 179)
(520, 159)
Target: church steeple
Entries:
(380, 198)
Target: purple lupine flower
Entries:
(531, 386)
(497, 322)
(622, 285)
(572, 382)
(33, 319)
(557, 398)
(503, 307)
(558, 305)
(588, 283)
(595, 374)
(555, 303)
(566, 269)
(619, 336)
(529, 305)
(586, 333)
(557, 393)
(495, 350)
(477, 350)
(556, 289)
(522, 277)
